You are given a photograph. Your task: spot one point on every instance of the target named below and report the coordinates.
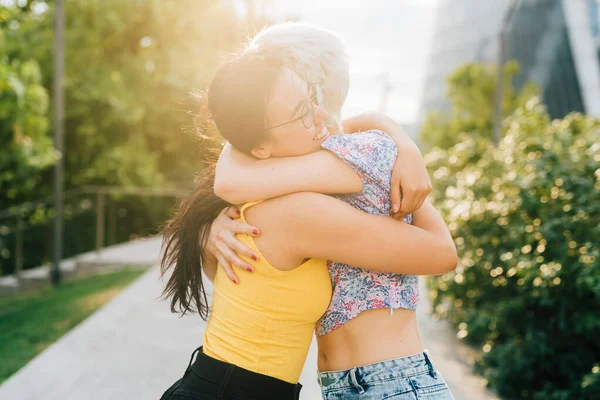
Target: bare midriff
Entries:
(373, 336)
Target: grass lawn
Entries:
(30, 322)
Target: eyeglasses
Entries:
(307, 114)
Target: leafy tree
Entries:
(131, 67)
(471, 91)
(26, 146)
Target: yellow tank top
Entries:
(265, 323)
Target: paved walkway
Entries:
(140, 253)
(134, 347)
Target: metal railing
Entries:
(102, 192)
(21, 214)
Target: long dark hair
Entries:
(184, 236)
(237, 101)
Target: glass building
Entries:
(594, 15)
(465, 31)
(556, 43)
(539, 41)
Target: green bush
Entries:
(526, 221)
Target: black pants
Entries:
(208, 379)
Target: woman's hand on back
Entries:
(225, 247)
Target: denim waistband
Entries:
(404, 367)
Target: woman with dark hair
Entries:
(260, 327)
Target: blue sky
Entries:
(385, 38)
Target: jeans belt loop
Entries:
(432, 370)
(223, 388)
(189, 367)
(360, 389)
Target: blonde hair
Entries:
(316, 55)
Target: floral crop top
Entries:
(371, 155)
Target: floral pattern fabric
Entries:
(371, 155)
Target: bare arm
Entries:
(241, 178)
(430, 220)
(223, 247)
(325, 227)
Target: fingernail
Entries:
(235, 281)
(250, 269)
(395, 207)
(254, 257)
(255, 231)
(237, 211)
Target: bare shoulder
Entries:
(294, 207)
(288, 223)
(301, 213)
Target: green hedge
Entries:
(525, 217)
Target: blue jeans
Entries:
(407, 378)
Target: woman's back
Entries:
(266, 322)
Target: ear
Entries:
(262, 152)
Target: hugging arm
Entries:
(426, 247)
(241, 178)
(325, 227)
